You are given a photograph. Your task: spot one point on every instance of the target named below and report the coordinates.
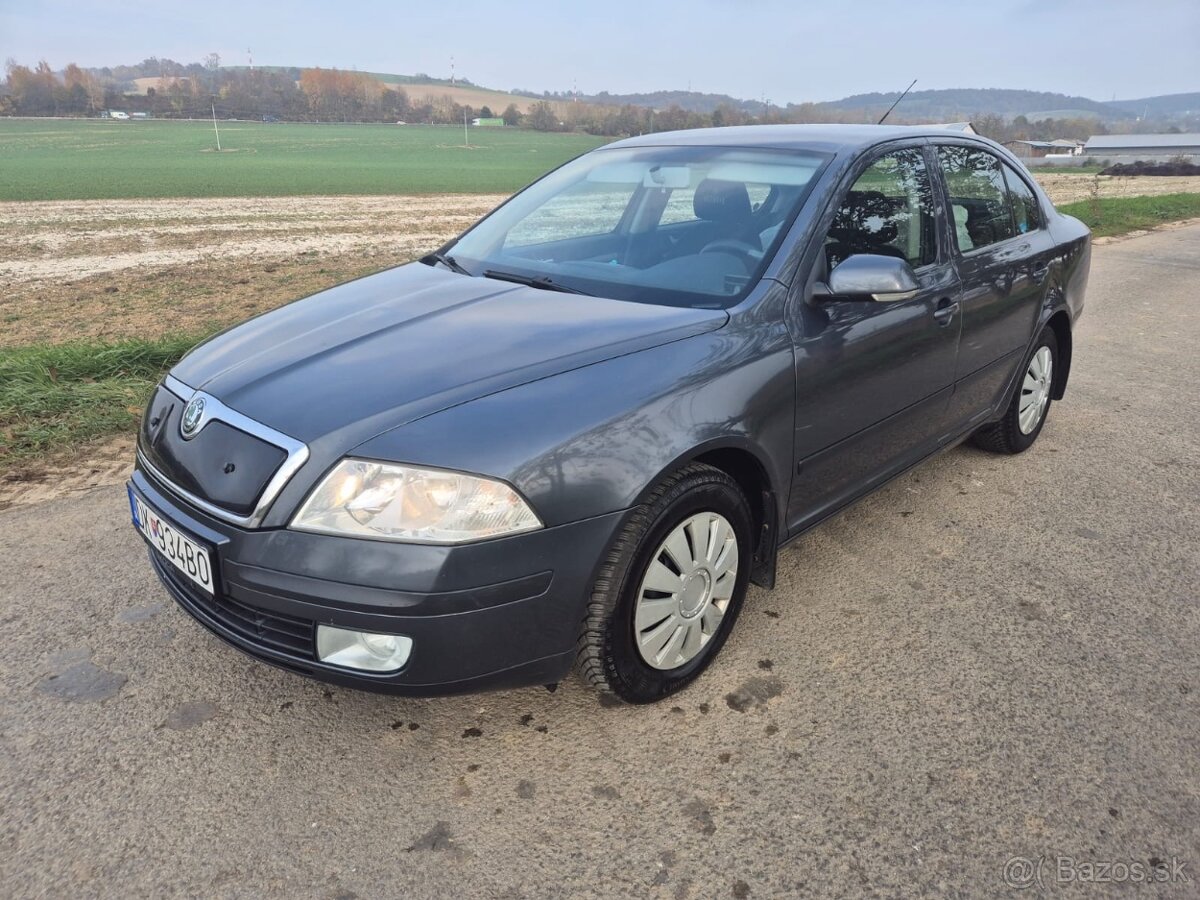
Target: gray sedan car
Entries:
(575, 434)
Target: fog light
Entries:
(364, 650)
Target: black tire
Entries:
(608, 658)
(1005, 435)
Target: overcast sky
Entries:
(784, 50)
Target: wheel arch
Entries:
(1060, 323)
(746, 466)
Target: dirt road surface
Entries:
(990, 658)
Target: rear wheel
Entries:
(1026, 414)
(670, 588)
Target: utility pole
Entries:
(213, 106)
(466, 134)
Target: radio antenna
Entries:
(898, 99)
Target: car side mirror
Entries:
(868, 276)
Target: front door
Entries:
(874, 378)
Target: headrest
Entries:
(721, 201)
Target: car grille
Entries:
(221, 465)
(284, 634)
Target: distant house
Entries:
(964, 127)
(1040, 149)
(493, 122)
(1062, 145)
(1031, 149)
(1129, 147)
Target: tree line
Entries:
(168, 89)
(628, 119)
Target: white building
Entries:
(1131, 147)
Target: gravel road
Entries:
(990, 658)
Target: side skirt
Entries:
(829, 514)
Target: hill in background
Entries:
(951, 104)
(961, 103)
(1165, 106)
(942, 105)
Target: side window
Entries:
(978, 196)
(888, 211)
(1026, 213)
(583, 210)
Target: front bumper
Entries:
(497, 614)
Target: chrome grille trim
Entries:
(214, 409)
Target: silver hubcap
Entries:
(1035, 390)
(686, 591)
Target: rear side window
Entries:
(978, 197)
(1026, 213)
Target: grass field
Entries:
(60, 159)
(1110, 216)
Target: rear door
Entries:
(874, 378)
(1003, 253)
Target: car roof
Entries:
(826, 138)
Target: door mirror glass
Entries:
(867, 276)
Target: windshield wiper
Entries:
(437, 256)
(542, 282)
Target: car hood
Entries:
(390, 348)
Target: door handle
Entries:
(944, 313)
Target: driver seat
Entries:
(726, 204)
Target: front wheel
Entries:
(670, 588)
(1026, 414)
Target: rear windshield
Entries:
(686, 226)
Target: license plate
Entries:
(192, 559)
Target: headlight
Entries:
(360, 498)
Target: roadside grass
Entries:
(54, 398)
(89, 159)
(1110, 216)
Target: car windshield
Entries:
(684, 226)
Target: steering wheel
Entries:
(743, 250)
